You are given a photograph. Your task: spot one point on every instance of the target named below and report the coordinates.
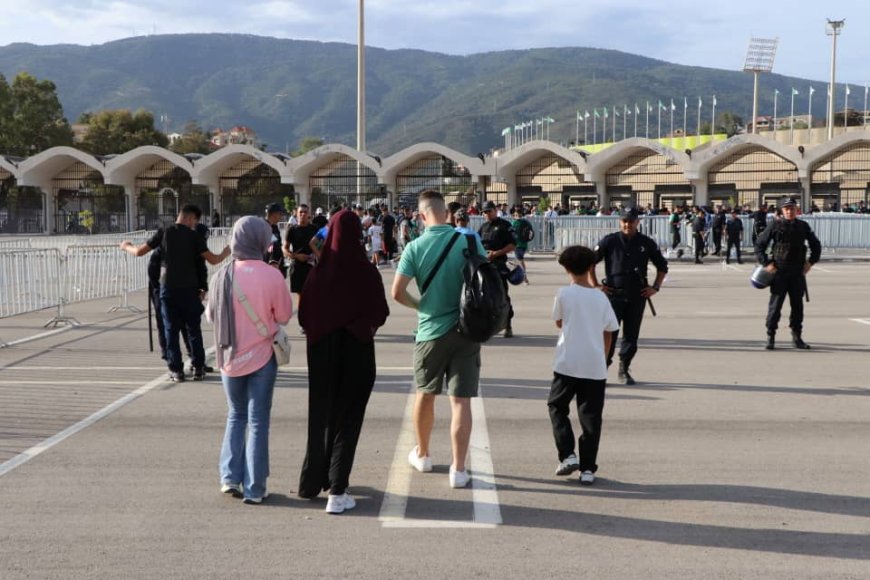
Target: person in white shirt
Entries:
(586, 321)
(375, 235)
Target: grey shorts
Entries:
(452, 357)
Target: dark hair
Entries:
(191, 209)
(577, 259)
(454, 206)
(302, 206)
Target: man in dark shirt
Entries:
(626, 256)
(498, 238)
(275, 255)
(389, 225)
(788, 261)
(297, 248)
(699, 224)
(180, 288)
(759, 222)
(734, 235)
(717, 228)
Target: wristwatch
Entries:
(656, 287)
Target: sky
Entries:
(691, 32)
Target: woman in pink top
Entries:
(245, 357)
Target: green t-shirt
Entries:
(438, 313)
(516, 224)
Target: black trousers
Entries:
(341, 375)
(717, 241)
(182, 310)
(629, 312)
(675, 239)
(732, 244)
(700, 242)
(791, 283)
(154, 291)
(589, 395)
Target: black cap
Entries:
(788, 202)
(488, 206)
(629, 213)
(461, 215)
(274, 207)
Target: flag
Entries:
(626, 110)
(649, 107)
(673, 106)
(776, 91)
(661, 106)
(812, 90)
(615, 112)
(587, 115)
(579, 116)
(506, 131)
(597, 116)
(605, 112)
(636, 109)
(518, 127)
(685, 103)
(714, 100)
(700, 102)
(794, 92)
(549, 119)
(848, 90)
(538, 122)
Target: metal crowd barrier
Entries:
(30, 280)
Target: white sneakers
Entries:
(337, 504)
(233, 489)
(568, 466)
(458, 479)
(256, 500)
(421, 464)
(587, 478)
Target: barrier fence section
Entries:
(30, 280)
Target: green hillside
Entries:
(287, 89)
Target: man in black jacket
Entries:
(498, 238)
(788, 261)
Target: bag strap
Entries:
(243, 300)
(440, 261)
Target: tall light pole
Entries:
(360, 98)
(833, 30)
(759, 59)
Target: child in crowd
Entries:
(375, 235)
(586, 320)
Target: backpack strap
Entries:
(440, 261)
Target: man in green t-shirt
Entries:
(525, 233)
(440, 352)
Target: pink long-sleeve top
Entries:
(269, 296)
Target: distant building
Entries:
(174, 138)
(80, 131)
(238, 135)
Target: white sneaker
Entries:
(233, 489)
(568, 466)
(256, 500)
(458, 479)
(421, 464)
(337, 504)
(587, 478)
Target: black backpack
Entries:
(526, 232)
(483, 305)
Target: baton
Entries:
(150, 330)
(651, 307)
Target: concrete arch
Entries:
(599, 163)
(39, 170)
(122, 170)
(817, 155)
(207, 171)
(398, 161)
(515, 159)
(720, 151)
(302, 167)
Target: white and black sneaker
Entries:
(232, 489)
(568, 465)
(587, 478)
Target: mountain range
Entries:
(288, 89)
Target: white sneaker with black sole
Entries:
(256, 500)
(568, 465)
(587, 478)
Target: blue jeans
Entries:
(244, 459)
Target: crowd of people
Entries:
(333, 261)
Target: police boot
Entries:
(623, 374)
(798, 341)
(771, 339)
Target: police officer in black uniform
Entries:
(275, 254)
(498, 239)
(717, 228)
(759, 222)
(699, 224)
(626, 255)
(788, 261)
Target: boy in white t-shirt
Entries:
(375, 234)
(586, 320)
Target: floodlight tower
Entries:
(759, 59)
(833, 30)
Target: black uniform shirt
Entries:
(299, 236)
(734, 227)
(275, 255)
(183, 248)
(790, 239)
(699, 224)
(497, 234)
(626, 259)
(718, 221)
(760, 219)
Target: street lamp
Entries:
(759, 59)
(833, 30)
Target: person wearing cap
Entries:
(699, 233)
(499, 240)
(626, 256)
(275, 254)
(788, 262)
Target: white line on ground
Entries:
(820, 269)
(17, 368)
(70, 383)
(35, 337)
(487, 512)
(861, 320)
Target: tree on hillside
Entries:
(120, 131)
(307, 144)
(730, 123)
(193, 140)
(31, 116)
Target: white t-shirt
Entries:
(585, 314)
(374, 233)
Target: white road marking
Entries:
(17, 368)
(487, 512)
(861, 320)
(36, 450)
(71, 383)
(35, 337)
(820, 269)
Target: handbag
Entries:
(281, 345)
